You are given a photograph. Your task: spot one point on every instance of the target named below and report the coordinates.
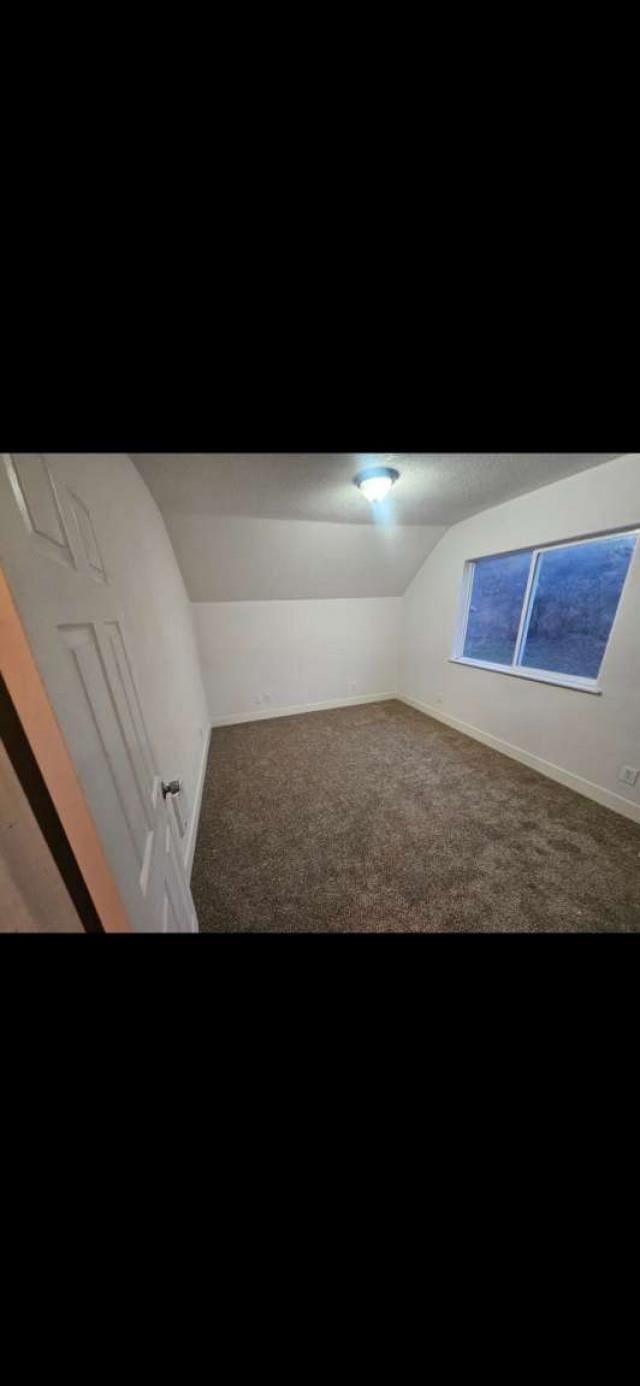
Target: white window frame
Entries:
(516, 670)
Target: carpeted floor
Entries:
(379, 818)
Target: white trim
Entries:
(603, 796)
(190, 843)
(463, 608)
(538, 675)
(300, 707)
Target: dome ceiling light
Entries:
(376, 482)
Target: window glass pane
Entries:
(496, 603)
(576, 593)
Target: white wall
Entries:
(238, 558)
(262, 657)
(578, 737)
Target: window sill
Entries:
(538, 675)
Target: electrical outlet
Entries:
(628, 775)
(438, 698)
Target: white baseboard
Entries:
(300, 707)
(603, 796)
(192, 833)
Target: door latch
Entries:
(173, 787)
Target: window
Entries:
(545, 611)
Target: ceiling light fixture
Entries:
(376, 482)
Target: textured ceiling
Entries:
(433, 489)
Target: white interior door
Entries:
(57, 565)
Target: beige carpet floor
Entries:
(377, 818)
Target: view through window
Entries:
(549, 609)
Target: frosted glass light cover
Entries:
(375, 487)
(377, 482)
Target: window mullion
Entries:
(527, 603)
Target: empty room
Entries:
(320, 692)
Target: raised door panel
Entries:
(39, 504)
(102, 745)
(87, 543)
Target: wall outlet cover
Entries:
(628, 775)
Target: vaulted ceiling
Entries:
(433, 488)
(264, 526)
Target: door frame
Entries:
(41, 760)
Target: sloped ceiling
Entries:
(230, 558)
(275, 526)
